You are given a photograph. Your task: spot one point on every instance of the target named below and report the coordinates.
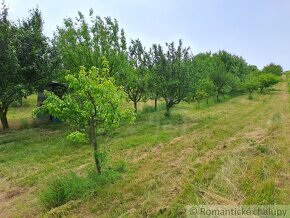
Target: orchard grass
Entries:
(232, 152)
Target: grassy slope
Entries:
(236, 152)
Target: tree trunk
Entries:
(4, 121)
(250, 95)
(168, 106)
(95, 144)
(217, 97)
(155, 104)
(135, 106)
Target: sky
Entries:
(258, 30)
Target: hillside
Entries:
(233, 152)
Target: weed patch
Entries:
(71, 187)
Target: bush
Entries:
(251, 84)
(273, 69)
(61, 190)
(267, 80)
(71, 187)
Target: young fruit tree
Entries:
(223, 80)
(173, 73)
(26, 59)
(274, 69)
(251, 84)
(36, 56)
(267, 80)
(134, 75)
(93, 104)
(83, 42)
(10, 88)
(203, 89)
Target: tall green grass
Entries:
(63, 189)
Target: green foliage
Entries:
(203, 89)
(77, 137)
(92, 104)
(203, 65)
(26, 59)
(62, 190)
(228, 72)
(37, 58)
(92, 95)
(71, 187)
(134, 75)
(251, 84)
(153, 89)
(232, 64)
(173, 73)
(223, 81)
(10, 82)
(42, 154)
(267, 80)
(273, 69)
(83, 43)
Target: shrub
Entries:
(251, 84)
(61, 190)
(274, 69)
(267, 80)
(71, 187)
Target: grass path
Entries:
(187, 170)
(236, 152)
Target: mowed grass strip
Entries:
(232, 152)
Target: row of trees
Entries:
(29, 60)
(171, 72)
(100, 70)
